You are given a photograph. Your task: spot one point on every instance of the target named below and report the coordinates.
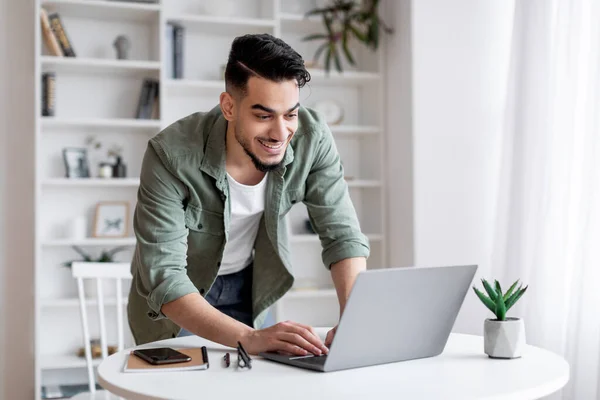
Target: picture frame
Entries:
(111, 219)
(76, 162)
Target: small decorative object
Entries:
(96, 349)
(503, 337)
(76, 228)
(119, 169)
(344, 21)
(331, 110)
(76, 162)
(111, 219)
(105, 170)
(122, 44)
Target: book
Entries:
(48, 94)
(178, 31)
(49, 38)
(143, 99)
(155, 113)
(136, 364)
(60, 33)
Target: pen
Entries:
(205, 356)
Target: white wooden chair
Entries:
(98, 272)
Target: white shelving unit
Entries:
(96, 94)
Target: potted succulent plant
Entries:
(504, 337)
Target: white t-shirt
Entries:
(247, 206)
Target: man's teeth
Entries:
(271, 146)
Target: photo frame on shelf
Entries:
(111, 219)
(76, 162)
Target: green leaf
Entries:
(490, 291)
(336, 58)
(500, 309)
(346, 48)
(374, 33)
(359, 35)
(485, 300)
(514, 298)
(510, 290)
(328, 59)
(315, 36)
(498, 287)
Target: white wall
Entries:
(460, 55)
(16, 199)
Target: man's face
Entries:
(266, 119)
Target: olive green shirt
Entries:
(182, 215)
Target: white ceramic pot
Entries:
(504, 339)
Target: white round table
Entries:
(463, 371)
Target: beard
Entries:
(258, 164)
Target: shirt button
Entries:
(201, 291)
(219, 264)
(294, 201)
(199, 226)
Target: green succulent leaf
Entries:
(500, 309)
(515, 297)
(490, 291)
(485, 300)
(510, 290)
(498, 287)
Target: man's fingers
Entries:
(300, 341)
(329, 338)
(306, 333)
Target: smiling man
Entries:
(212, 249)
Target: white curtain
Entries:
(547, 225)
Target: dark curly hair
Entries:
(265, 56)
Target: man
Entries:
(212, 252)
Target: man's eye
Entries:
(263, 117)
(292, 115)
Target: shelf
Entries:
(74, 302)
(310, 293)
(346, 77)
(222, 25)
(194, 85)
(105, 10)
(363, 183)
(98, 65)
(65, 362)
(90, 242)
(313, 238)
(86, 182)
(112, 123)
(354, 130)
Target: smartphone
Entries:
(162, 355)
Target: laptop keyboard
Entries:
(314, 360)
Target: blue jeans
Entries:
(232, 295)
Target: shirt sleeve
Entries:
(161, 234)
(330, 208)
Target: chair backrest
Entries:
(98, 272)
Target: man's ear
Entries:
(227, 103)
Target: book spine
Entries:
(178, 54)
(169, 51)
(48, 94)
(155, 105)
(59, 30)
(49, 37)
(148, 104)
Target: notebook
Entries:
(136, 364)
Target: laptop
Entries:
(392, 314)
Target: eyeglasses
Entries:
(244, 360)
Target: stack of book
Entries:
(55, 35)
(174, 51)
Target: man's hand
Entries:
(330, 335)
(287, 337)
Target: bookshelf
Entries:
(97, 96)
